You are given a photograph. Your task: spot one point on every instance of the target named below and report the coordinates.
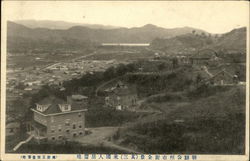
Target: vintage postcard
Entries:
(125, 80)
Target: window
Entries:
(80, 133)
(42, 108)
(52, 129)
(59, 127)
(80, 124)
(52, 119)
(74, 126)
(53, 138)
(65, 107)
(74, 135)
(79, 114)
(67, 131)
(60, 137)
(67, 122)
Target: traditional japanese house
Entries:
(222, 78)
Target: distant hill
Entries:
(192, 42)
(22, 39)
(182, 44)
(20, 35)
(144, 34)
(59, 24)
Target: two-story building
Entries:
(56, 119)
(121, 97)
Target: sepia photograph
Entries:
(167, 78)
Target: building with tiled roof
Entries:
(204, 57)
(56, 119)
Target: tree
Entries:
(161, 66)
(131, 67)
(121, 69)
(109, 73)
(175, 63)
(20, 86)
(208, 41)
(198, 78)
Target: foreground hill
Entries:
(24, 37)
(202, 126)
(234, 40)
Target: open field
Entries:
(120, 55)
(38, 60)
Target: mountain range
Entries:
(42, 36)
(20, 36)
(63, 25)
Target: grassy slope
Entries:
(212, 125)
(234, 40)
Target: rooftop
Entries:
(54, 102)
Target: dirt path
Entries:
(85, 56)
(100, 137)
(121, 148)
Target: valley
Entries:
(181, 93)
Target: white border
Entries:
(12, 157)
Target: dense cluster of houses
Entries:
(78, 67)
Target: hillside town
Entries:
(118, 93)
(139, 83)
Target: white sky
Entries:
(212, 16)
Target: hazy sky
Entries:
(214, 17)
